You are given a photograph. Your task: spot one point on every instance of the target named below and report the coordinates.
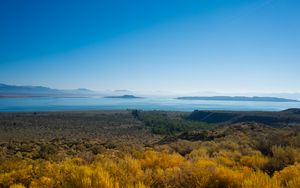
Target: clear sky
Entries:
(152, 45)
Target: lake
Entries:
(66, 104)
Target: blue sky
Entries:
(155, 45)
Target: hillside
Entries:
(283, 118)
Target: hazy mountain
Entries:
(40, 91)
(295, 96)
(238, 98)
(286, 95)
(122, 91)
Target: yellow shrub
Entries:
(226, 161)
(226, 177)
(156, 169)
(133, 169)
(20, 172)
(163, 160)
(43, 182)
(289, 176)
(200, 153)
(260, 179)
(17, 186)
(255, 161)
(197, 175)
(286, 155)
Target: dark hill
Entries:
(293, 111)
(282, 118)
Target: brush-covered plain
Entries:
(133, 148)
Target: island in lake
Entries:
(124, 97)
(239, 98)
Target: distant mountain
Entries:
(295, 96)
(9, 91)
(285, 95)
(123, 91)
(239, 98)
(124, 97)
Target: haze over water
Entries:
(66, 104)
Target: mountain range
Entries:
(238, 98)
(13, 91)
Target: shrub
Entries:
(257, 161)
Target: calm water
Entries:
(62, 104)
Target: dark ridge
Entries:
(292, 110)
(211, 116)
(287, 117)
(251, 129)
(201, 135)
(262, 119)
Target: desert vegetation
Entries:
(125, 149)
